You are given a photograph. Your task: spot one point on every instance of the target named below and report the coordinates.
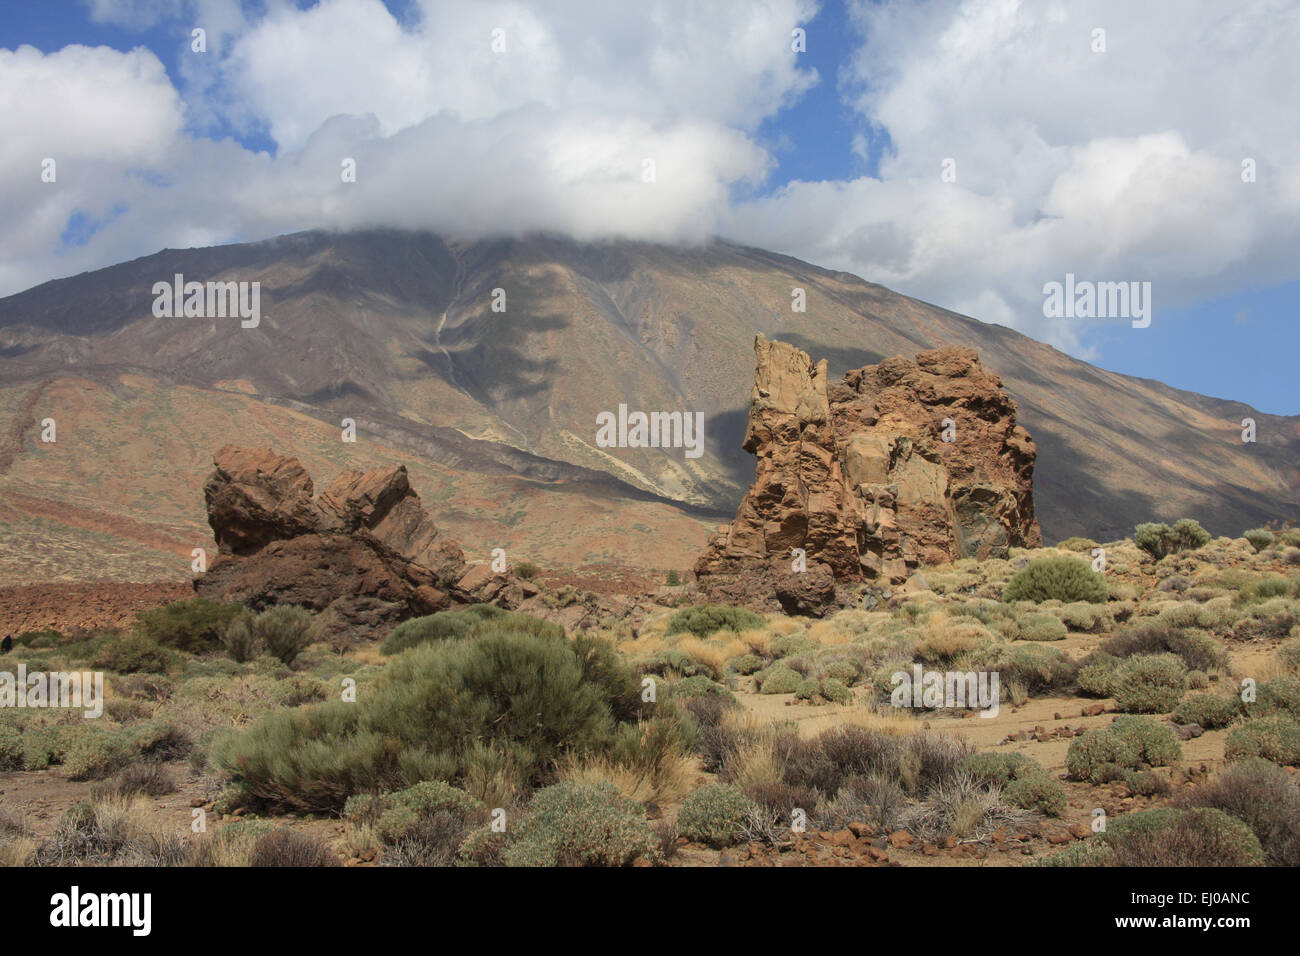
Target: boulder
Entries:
(365, 550)
(899, 465)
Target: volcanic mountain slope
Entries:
(494, 411)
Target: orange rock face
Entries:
(901, 464)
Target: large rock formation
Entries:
(859, 477)
(365, 550)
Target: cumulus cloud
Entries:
(1117, 165)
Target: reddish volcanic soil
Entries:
(69, 605)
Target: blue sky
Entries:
(1115, 164)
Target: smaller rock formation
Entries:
(366, 550)
(856, 482)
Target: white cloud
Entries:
(1121, 165)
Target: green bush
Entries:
(714, 814)
(1036, 791)
(705, 619)
(993, 768)
(1144, 783)
(1195, 837)
(130, 654)
(11, 748)
(527, 570)
(1097, 675)
(1154, 743)
(238, 639)
(1275, 738)
(1259, 538)
(1040, 627)
(1060, 578)
(194, 626)
(400, 814)
(569, 824)
(1038, 668)
(1098, 756)
(441, 626)
(1197, 650)
(700, 686)
(1151, 684)
(1210, 711)
(836, 691)
(284, 630)
(779, 679)
(96, 754)
(1159, 540)
(1261, 795)
(538, 697)
(1281, 695)
(808, 688)
(747, 664)
(1085, 617)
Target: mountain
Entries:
(494, 411)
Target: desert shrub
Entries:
(714, 814)
(1150, 684)
(441, 626)
(284, 630)
(1096, 676)
(1198, 680)
(1059, 578)
(1196, 837)
(574, 825)
(699, 686)
(1281, 695)
(1085, 617)
(786, 645)
(747, 664)
(779, 679)
(150, 779)
(807, 689)
(96, 754)
(1264, 797)
(194, 626)
(1197, 650)
(12, 749)
(1036, 791)
(673, 579)
(238, 639)
(1077, 544)
(1259, 538)
(1159, 540)
(836, 691)
(1036, 668)
(1154, 743)
(527, 570)
(130, 654)
(1289, 655)
(846, 671)
(1040, 627)
(1098, 756)
(1275, 738)
(285, 847)
(400, 815)
(541, 696)
(998, 769)
(159, 740)
(1210, 711)
(705, 619)
(1144, 783)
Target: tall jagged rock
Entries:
(365, 549)
(900, 464)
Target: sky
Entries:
(966, 152)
